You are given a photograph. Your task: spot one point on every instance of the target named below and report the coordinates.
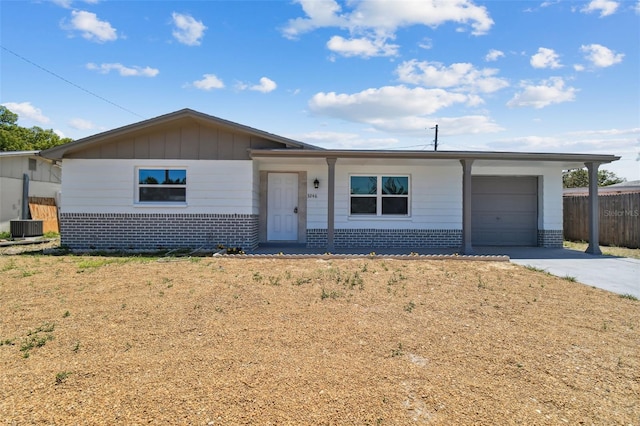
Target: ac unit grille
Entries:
(25, 228)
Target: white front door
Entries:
(282, 207)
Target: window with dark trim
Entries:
(379, 195)
(162, 185)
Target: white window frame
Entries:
(168, 203)
(379, 196)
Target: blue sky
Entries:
(541, 76)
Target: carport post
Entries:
(331, 201)
(466, 207)
(594, 209)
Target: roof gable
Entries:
(184, 134)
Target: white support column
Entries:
(331, 203)
(466, 207)
(594, 210)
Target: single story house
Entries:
(188, 179)
(24, 173)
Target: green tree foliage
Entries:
(17, 138)
(580, 178)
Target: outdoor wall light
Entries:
(316, 183)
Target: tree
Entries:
(579, 178)
(17, 138)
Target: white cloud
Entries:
(91, 27)
(187, 30)
(449, 126)
(545, 58)
(27, 111)
(341, 140)
(637, 7)
(399, 110)
(124, 71)
(81, 124)
(371, 23)
(463, 76)
(601, 56)
(383, 103)
(494, 55)
(63, 3)
(67, 3)
(320, 13)
(266, 85)
(208, 82)
(362, 47)
(552, 91)
(605, 7)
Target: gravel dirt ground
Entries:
(369, 341)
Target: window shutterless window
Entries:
(379, 195)
(162, 185)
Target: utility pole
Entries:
(435, 141)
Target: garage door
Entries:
(504, 211)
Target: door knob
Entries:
(295, 210)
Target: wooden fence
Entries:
(619, 219)
(45, 209)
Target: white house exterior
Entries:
(43, 181)
(187, 179)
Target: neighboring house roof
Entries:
(564, 160)
(618, 188)
(60, 151)
(35, 154)
(18, 153)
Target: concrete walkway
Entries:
(616, 274)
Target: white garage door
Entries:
(504, 211)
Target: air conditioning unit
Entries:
(25, 228)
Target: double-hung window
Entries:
(381, 195)
(162, 186)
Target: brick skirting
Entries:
(392, 238)
(140, 231)
(551, 238)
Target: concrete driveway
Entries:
(616, 274)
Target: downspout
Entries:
(25, 197)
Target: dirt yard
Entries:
(228, 341)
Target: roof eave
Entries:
(441, 155)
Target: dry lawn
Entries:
(228, 341)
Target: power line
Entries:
(71, 83)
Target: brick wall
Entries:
(393, 238)
(551, 238)
(87, 231)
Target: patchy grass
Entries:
(283, 341)
(606, 250)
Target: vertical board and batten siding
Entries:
(619, 219)
(184, 140)
(109, 186)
